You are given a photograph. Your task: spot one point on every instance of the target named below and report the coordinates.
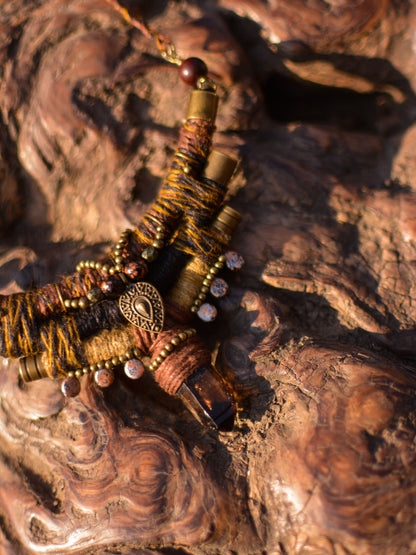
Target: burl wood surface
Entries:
(317, 336)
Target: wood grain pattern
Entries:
(316, 335)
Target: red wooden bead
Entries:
(135, 270)
(111, 285)
(70, 387)
(191, 70)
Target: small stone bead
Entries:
(83, 303)
(94, 295)
(207, 312)
(135, 270)
(234, 261)
(134, 369)
(219, 288)
(104, 377)
(157, 244)
(191, 70)
(150, 254)
(70, 387)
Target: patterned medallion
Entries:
(142, 305)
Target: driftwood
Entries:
(317, 337)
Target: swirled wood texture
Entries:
(317, 334)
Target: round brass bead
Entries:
(78, 373)
(83, 303)
(213, 271)
(118, 252)
(175, 340)
(81, 264)
(169, 347)
(100, 365)
(108, 364)
(219, 265)
(202, 296)
(71, 374)
(222, 258)
(157, 244)
(194, 309)
(204, 289)
(112, 271)
(93, 367)
(207, 280)
(151, 367)
(164, 353)
(86, 370)
(67, 303)
(182, 336)
(74, 303)
(118, 268)
(105, 268)
(159, 360)
(119, 260)
(149, 254)
(197, 302)
(160, 229)
(123, 358)
(136, 352)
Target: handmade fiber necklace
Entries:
(134, 308)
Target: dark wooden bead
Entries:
(111, 285)
(191, 70)
(70, 387)
(134, 369)
(135, 270)
(104, 377)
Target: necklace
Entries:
(135, 308)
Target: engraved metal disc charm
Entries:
(142, 305)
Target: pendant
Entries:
(142, 305)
